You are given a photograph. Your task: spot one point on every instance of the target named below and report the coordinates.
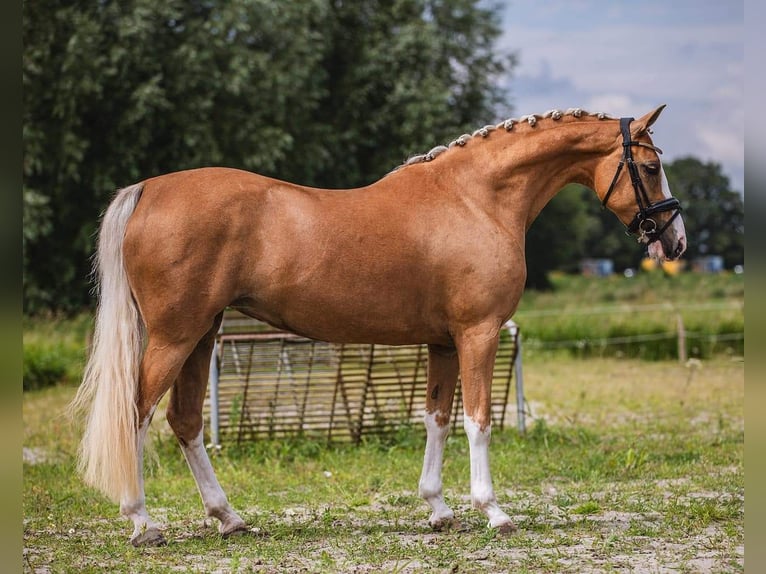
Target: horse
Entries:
(432, 253)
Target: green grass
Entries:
(54, 350)
(638, 316)
(627, 465)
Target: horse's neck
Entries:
(526, 170)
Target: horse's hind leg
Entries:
(146, 532)
(159, 368)
(442, 378)
(185, 417)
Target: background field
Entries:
(628, 465)
(637, 316)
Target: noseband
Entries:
(642, 223)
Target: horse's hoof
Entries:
(149, 537)
(234, 529)
(506, 528)
(445, 524)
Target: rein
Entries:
(642, 223)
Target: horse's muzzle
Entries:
(671, 244)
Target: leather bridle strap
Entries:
(642, 223)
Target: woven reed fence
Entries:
(267, 383)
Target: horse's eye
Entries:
(652, 168)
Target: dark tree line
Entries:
(321, 92)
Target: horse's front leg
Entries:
(477, 349)
(442, 379)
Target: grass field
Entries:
(628, 465)
(638, 316)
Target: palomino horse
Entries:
(432, 253)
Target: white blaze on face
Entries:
(677, 229)
(678, 224)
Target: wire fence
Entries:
(653, 331)
(629, 308)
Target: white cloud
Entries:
(726, 147)
(615, 104)
(648, 61)
(625, 63)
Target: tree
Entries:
(404, 76)
(608, 238)
(556, 240)
(320, 92)
(714, 214)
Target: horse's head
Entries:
(632, 184)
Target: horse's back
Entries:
(216, 189)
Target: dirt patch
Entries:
(549, 539)
(36, 455)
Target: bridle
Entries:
(642, 223)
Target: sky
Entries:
(626, 58)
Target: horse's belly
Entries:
(349, 315)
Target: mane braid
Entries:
(508, 124)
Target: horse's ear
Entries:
(643, 123)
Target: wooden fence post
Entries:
(681, 339)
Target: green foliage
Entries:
(54, 351)
(714, 214)
(324, 93)
(649, 470)
(43, 367)
(55, 347)
(556, 240)
(319, 92)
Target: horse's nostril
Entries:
(680, 247)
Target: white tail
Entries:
(108, 457)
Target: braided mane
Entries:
(508, 124)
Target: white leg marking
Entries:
(482, 493)
(677, 228)
(145, 530)
(213, 497)
(664, 182)
(430, 486)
